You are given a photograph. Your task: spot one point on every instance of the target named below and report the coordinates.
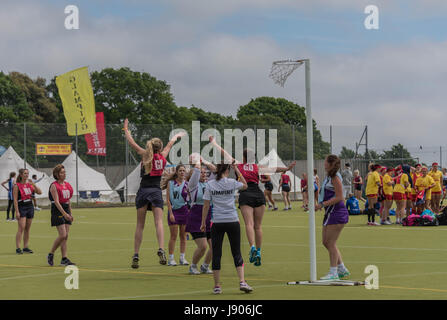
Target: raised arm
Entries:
(208, 164)
(195, 177)
(131, 141)
(226, 155)
(171, 142)
(270, 170)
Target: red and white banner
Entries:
(96, 142)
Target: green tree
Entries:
(13, 105)
(346, 153)
(43, 109)
(284, 113)
(398, 152)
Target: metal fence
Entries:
(120, 161)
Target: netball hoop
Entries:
(279, 72)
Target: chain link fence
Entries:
(114, 178)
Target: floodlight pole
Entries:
(310, 174)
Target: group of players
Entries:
(413, 189)
(22, 203)
(200, 202)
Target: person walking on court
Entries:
(347, 177)
(331, 198)
(221, 193)
(10, 182)
(60, 193)
(22, 191)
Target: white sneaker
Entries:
(387, 222)
(171, 262)
(375, 223)
(205, 270)
(193, 270)
(183, 262)
(37, 209)
(330, 276)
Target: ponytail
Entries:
(221, 169)
(148, 156)
(152, 146)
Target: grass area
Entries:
(412, 261)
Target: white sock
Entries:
(182, 256)
(341, 267)
(205, 265)
(193, 265)
(171, 257)
(333, 270)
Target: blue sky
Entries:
(328, 30)
(217, 55)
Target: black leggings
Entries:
(10, 206)
(371, 215)
(233, 230)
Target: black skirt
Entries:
(252, 196)
(57, 218)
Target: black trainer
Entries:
(50, 259)
(135, 260)
(19, 251)
(161, 254)
(67, 262)
(27, 250)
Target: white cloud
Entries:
(390, 88)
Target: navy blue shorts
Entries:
(26, 211)
(285, 188)
(57, 218)
(252, 196)
(268, 186)
(150, 196)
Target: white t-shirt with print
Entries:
(222, 194)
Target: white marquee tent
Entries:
(10, 161)
(89, 179)
(273, 160)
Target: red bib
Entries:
(64, 192)
(285, 179)
(249, 172)
(26, 190)
(158, 166)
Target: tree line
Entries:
(150, 106)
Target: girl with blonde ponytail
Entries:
(149, 195)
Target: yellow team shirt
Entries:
(400, 183)
(437, 176)
(415, 176)
(424, 183)
(371, 184)
(387, 189)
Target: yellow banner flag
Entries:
(75, 90)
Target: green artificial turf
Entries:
(412, 261)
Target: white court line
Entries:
(380, 228)
(210, 291)
(29, 276)
(265, 243)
